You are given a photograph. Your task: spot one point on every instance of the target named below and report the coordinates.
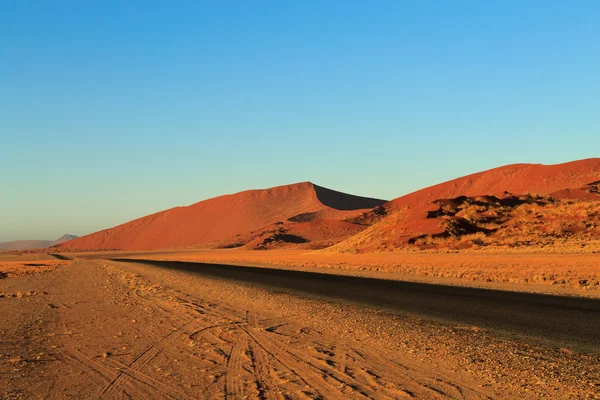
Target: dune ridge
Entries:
(479, 217)
(208, 222)
(309, 216)
(536, 179)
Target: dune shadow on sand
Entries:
(557, 321)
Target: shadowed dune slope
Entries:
(517, 179)
(220, 218)
(342, 201)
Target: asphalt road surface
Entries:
(557, 321)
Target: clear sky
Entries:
(110, 110)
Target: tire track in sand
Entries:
(234, 386)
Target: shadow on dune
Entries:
(343, 201)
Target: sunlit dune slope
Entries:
(481, 210)
(210, 222)
(517, 179)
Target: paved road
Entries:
(557, 321)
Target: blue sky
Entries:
(111, 110)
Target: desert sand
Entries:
(574, 274)
(95, 328)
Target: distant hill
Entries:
(34, 244)
(65, 238)
(301, 213)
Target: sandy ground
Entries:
(561, 274)
(100, 329)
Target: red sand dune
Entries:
(313, 233)
(407, 216)
(218, 219)
(588, 192)
(305, 213)
(517, 179)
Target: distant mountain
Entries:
(65, 238)
(298, 214)
(34, 244)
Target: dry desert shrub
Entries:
(472, 213)
(531, 224)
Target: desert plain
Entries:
(89, 326)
